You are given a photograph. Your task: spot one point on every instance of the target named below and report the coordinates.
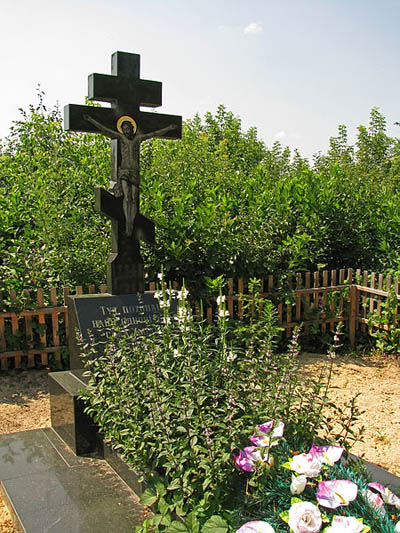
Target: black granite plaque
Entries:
(93, 315)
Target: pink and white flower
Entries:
(335, 493)
(305, 517)
(374, 500)
(257, 526)
(268, 434)
(341, 524)
(251, 457)
(306, 464)
(387, 495)
(326, 454)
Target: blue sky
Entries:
(295, 69)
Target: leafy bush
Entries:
(223, 203)
(179, 399)
(50, 234)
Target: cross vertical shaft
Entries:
(127, 127)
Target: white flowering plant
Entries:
(178, 398)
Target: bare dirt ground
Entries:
(24, 405)
(376, 378)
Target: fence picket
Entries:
(240, 291)
(364, 302)
(306, 298)
(371, 298)
(324, 295)
(53, 297)
(230, 296)
(3, 360)
(316, 295)
(29, 340)
(289, 311)
(299, 283)
(380, 286)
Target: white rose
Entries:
(397, 527)
(257, 526)
(298, 484)
(305, 517)
(306, 464)
(345, 523)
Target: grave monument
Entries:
(128, 127)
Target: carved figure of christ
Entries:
(129, 169)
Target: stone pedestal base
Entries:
(68, 419)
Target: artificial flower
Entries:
(304, 517)
(298, 484)
(387, 495)
(335, 493)
(306, 464)
(341, 524)
(257, 526)
(268, 434)
(374, 500)
(326, 454)
(251, 456)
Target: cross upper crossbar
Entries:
(126, 92)
(124, 85)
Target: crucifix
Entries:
(127, 127)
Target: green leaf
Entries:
(163, 506)
(192, 522)
(176, 484)
(148, 497)
(285, 516)
(215, 524)
(177, 527)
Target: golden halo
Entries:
(126, 118)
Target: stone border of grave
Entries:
(131, 478)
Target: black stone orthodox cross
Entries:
(127, 126)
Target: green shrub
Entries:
(179, 400)
(223, 203)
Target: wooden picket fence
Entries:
(36, 325)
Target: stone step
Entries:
(48, 488)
